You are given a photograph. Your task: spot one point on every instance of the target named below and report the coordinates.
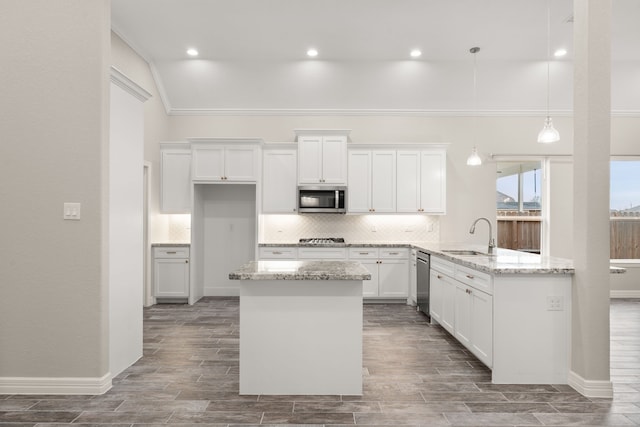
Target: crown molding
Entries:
(120, 79)
(365, 112)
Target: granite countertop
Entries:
(301, 270)
(503, 261)
(170, 245)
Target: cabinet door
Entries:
(394, 278)
(435, 296)
(433, 177)
(175, 181)
(334, 160)
(370, 287)
(383, 181)
(463, 314)
(310, 160)
(240, 164)
(208, 163)
(279, 181)
(448, 304)
(171, 278)
(408, 184)
(482, 326)
(359, 187)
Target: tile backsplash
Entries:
(354, 228)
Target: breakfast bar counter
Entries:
(301, 327)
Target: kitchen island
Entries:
(301, 327)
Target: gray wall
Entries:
(54, 130)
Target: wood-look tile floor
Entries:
(414, 375)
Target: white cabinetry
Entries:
(322, 160)
(217, 161)
(279, 181)
(421, 184)
(171, 272)
(372, 181)
(462, 303)
(389, 268)
(309, 253)
(282, 253)
(175, 178)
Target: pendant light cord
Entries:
(548, 53)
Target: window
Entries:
(625, 209)
(519, 205)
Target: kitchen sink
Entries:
(462, 252)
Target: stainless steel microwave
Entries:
(322, 199)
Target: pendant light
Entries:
(548, 134)
(474, 159)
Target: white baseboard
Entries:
(590, 388)
(211, 291)
(631, 293)
(47, 385)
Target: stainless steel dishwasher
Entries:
(423, 272)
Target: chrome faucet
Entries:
(492, 242)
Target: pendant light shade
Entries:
(548, 134)
(474, 159)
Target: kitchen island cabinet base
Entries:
(301, 337)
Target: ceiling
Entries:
(254, 33)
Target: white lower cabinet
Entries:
(285, 253)
(308, 253)
(170, 272)
(389, 268)
(463, 310)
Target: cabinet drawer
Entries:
(322, 253)
(278, 253)
(363, 253)
(474, 278)
(394, 253)
(171, 252)
(443, 266)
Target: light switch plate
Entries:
(71, 211)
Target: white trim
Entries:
(131, 87)
(622, 293)
(160, 88)
(325, 132)
(591, 388)
(400, 145)
(61, 385)
(358, 112)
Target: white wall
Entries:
(125, 229)
(54, 131)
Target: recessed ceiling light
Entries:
(559, 53)
(192, 52)
(312, 53)
(415, 53)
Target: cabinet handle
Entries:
(186, 261)
(277, 253)
(439, 276)
(172, 252)
(363, 253)
(394, 253)
(469, 276)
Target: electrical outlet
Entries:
(555, 303)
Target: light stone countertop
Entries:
(503, 261)
(301, 270)
(170, 245)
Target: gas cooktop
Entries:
(322, 240)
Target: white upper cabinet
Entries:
(322, 160)
(225, 161)
(421, 186)
(175, 178)
(279, 181)
(372, 181)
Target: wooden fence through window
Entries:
(522, 232)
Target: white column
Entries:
(591, 150)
